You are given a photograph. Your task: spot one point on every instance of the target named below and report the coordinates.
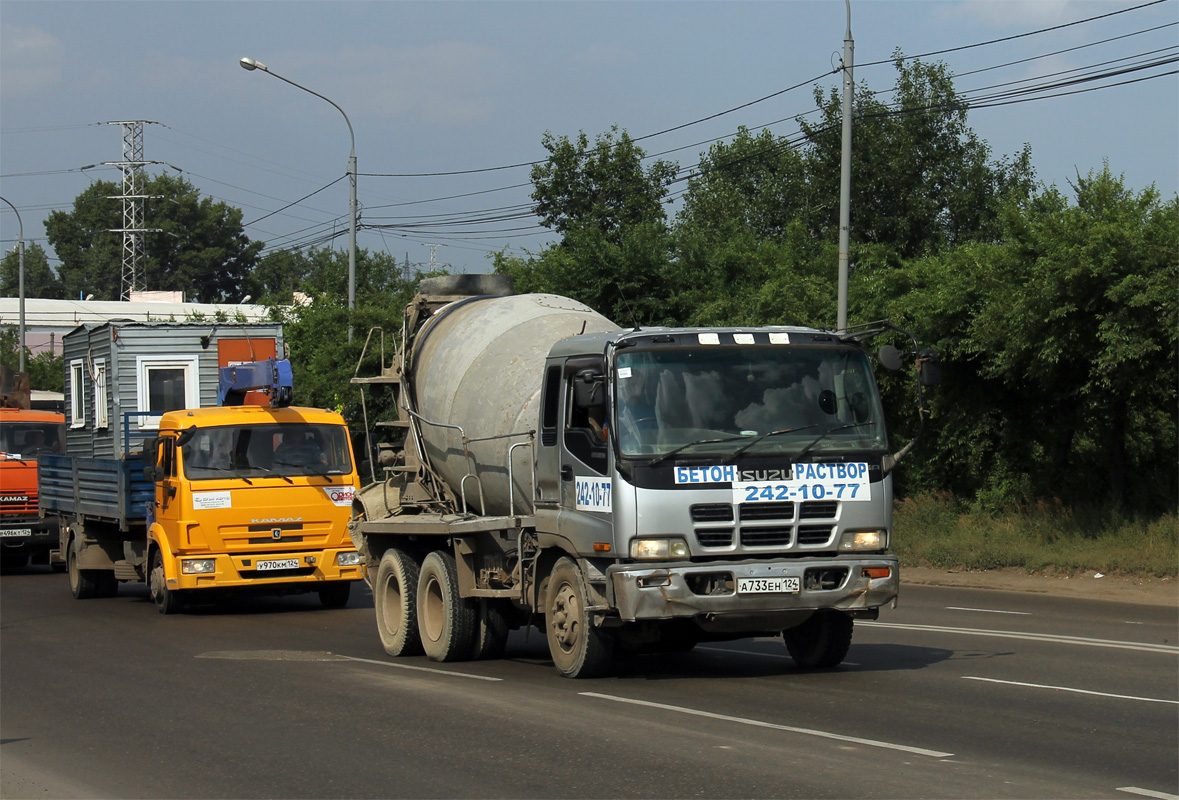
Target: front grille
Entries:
(712, 512)
(782, 511)
(715, 537)
(766, 537)
(814, 534)
(818, 510)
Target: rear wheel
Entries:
(84, 583)
(446, 622)
(491, 630)
(168, 601)
(579, 649)
(395, 599)
(335, 594)
(822, 641)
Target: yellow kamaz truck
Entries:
(250, 495)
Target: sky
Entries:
(471, 88)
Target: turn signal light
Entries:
(877, 572)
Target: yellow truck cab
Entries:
(251, 496)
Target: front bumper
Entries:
(708, 590)
(234, 570)
(30, 533)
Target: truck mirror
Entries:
(151, 474)
(827, 402)
(186, 436)
(929, 368)
(890, 358)
(586, 386)
(148, 454)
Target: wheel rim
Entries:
(391, 610)
(157, 580)
(72, 568)
(432, 610)
(567, 617)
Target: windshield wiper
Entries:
(823, 436)
(765, 435)
(661, 458)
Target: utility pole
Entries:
(849, 89)
(134, 250)
(20, 280)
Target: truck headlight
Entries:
(861, 541)
(348, 559)
(197, 566)
(658, 548)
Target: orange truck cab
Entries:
(25, 436)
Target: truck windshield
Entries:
(259, 451)
(26, 440)
(752, 400)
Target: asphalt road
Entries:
(957, 693)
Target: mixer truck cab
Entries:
(642, 489)
(735, 479)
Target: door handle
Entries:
(567, 473)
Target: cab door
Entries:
(586, 489)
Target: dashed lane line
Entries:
(1148, 793)
(773, 726)
(1069, 689)
(395, 665)
(1145, 647)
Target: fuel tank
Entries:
(478, 363)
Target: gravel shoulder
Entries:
(1116, 588)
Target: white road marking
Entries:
(989, 611)
(1067, 689)
(421, 669)
(759, 724)
(1034, 637)
(1148, 793)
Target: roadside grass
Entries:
(936, 531)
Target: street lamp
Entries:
(20, 281)
(251, 65)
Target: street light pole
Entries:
(20, 281)
(849, 88)
(251, 65)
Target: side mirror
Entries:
(151, 474)
(586, 387)
(890, 358)
(148, 454)
(186, 436)
(929, 368)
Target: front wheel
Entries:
(446, 622)
(579, 648)
(396, 604)
(168, 601)
(822, 641)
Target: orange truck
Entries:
(25, 436)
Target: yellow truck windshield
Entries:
(273, 449)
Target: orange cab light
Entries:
(877, 572)
(601, 547)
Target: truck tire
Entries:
(822, 641)
(84, 583)
(446, 622)
(168, 601)
(579, 648)
(335, 594)
(491, 630)
(395, 599)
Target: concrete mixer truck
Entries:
(632, 490)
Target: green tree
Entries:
(603, 188)
(201, 248)
(40, 281)
(921, 179)
(46, 371)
